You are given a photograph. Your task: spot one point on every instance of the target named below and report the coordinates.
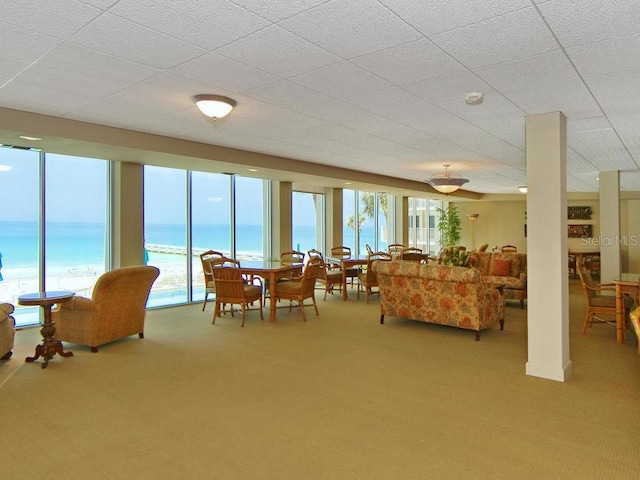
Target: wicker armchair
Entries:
(367, 278)
(232, 288)
(209, 260)
(7, 332)
(342, 252)
(598, 303)
(327, 275)
(115, 310)
(302, 287)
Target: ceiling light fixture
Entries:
(473, 98)
(214, 106)
(522, 188)
(446, 183)
(33, 139)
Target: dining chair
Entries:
(342, 252)
(597, 302)
(300, 288)
(396, 249)
(328, 275)
(509, 248)
(367, 278)
(209, 260)
(233, 289)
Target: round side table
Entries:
(49, 346)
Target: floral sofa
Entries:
(509, 268)
(441, 294)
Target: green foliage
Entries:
(368, 209)
(449, 225)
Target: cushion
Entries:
(501, 268)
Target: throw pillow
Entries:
(501, 268)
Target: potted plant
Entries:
(449, 225)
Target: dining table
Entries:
(271, 271)
(345, 265)
(627, 284)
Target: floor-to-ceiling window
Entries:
(187, 213)
(307, 227)
(369, 220)
(211, 221)
(423, 218)
(165, 232)
(53, 225)
(248, 208)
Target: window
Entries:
(422, 225)
(187, 213)
(165, 233)
(374, 217)
(56, 237)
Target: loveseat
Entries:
(7, 332)
(441, 294)
(509, 268)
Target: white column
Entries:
(547, 247)
(609, 226)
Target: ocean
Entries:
(75, 245)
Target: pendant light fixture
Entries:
(446, 183)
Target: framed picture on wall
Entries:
(580, 231)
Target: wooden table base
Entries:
(49, 347)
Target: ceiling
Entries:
(368, 85)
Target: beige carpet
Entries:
(337, 397)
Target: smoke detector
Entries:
(474, 98)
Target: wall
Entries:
(502, 222)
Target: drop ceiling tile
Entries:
(276, 11)
(448, 89)
(41, 100)
(76, 60)
(18, 43)
(59, 81)
(603, 149)
(500, 39)
(570, 97)
(630, 181)
(542, 69)
(222, 72)
(115, 36)
(587, 21)
(287, 94)
(162, 94)
(10, 68)
(448, 15)
(278, 52)
(607, 56)
(350, 29)
(59, 19)
(391, 63)
(341, 80)
(205, 23)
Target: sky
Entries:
(76, 192)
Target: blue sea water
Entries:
(82, 244)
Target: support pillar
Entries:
(547, 247)
(609, 226)
(127, 218)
